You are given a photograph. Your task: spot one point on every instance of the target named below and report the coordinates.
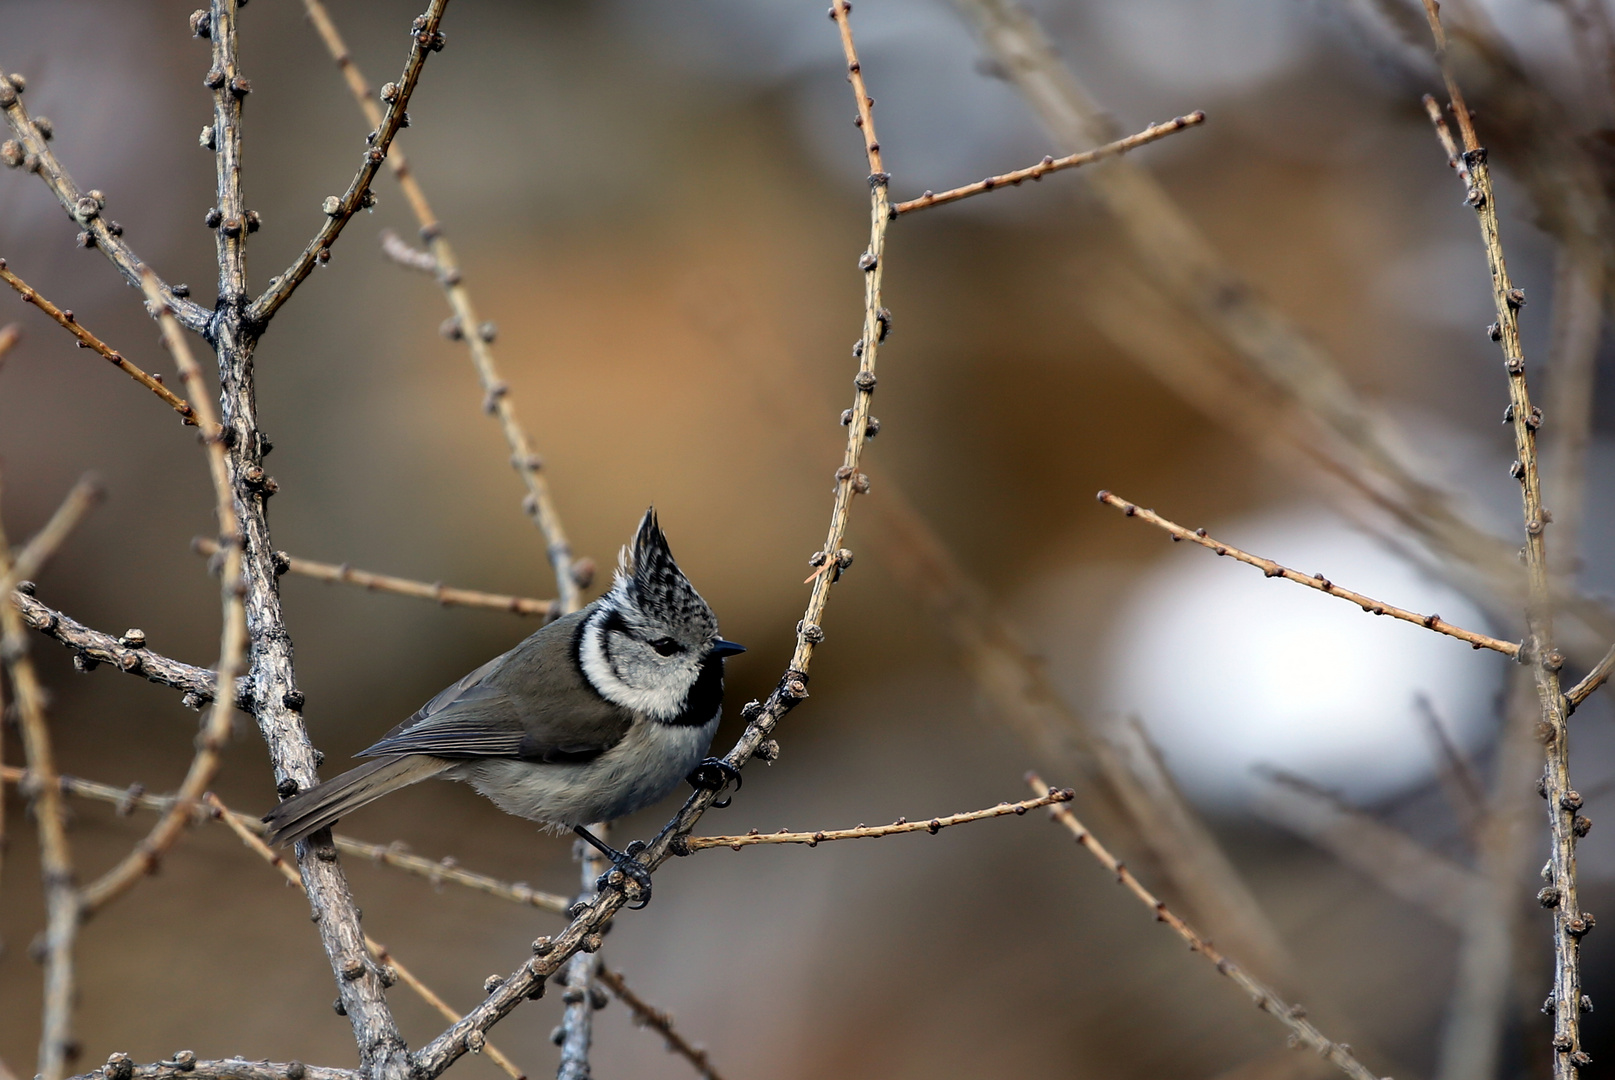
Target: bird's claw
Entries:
(715, 774)
(625, 869)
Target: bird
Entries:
(596, 715)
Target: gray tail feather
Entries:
(322, 804)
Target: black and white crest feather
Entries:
(647, 572)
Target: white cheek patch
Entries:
(663, 701)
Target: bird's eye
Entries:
(665, 645)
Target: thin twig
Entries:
(581, 998)
(56, 856)
(539, 504)
(93, 647)
(436, 591)
(424, 40)
(87, 340)
(9, 336)
(863, 832)
(585, 930)
(1590, 682)
(378, 952)
(1292, 1017)
(437, 871)
(1461, 783)
(30, 151)
(1053, 164)
(1569, 921)
(1312, 581)
(215, 733)
(647, 1015)
(392, 245)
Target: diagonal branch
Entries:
(1314, 581)
(31, 152)
(1292, 1017)
(1053, 164)
(539, 504)
(87, 340)
(424, 39)
(215, 733)
(647, 1015)
(437, 592)
(687, 844)
(1590, 682)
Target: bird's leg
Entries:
(624, 867)
(715, 774)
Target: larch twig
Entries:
(378, 953)
(185, 1065)
(86, 340)
(1292, 1017)
(215, 733)
(539, 503)
(437, 592)
(1053, 164)
(865, 832)
(437, 871)
(30, 151)
(56, 856)
(586, 927)
(648, 1016)
(425, 38)
(1590, 682)
(1569, 921)
(1312, 581)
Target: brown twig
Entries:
(1590, 682)
(424, 40)
(539, 504)
(390, 965)
(364, 579)
(1569, 921)
(1462, 784)
(1313, 581)
(186, 1066)
(215, 733)
(647, 1015)
(437, 871)
(31, 152)
(864, 832)
(9, 336)
(1262, 997)
(1053, 164)
(56, 856)
(87, 340)
(762, 718)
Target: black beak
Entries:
(722, 648)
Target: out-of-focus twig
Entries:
(1313, 581)
(56, 856)
(1574, 336)
(539, 503)
(1569, 921)
(389, 965)
(215, 733)
(364, 579)
(1590, 682)
(1052, 164)
(425, 39)
(647, 1015)
(87, 340)
(864, 832)
(1262, 997)
(581, 997)
(1459, 781)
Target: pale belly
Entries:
(637, 772)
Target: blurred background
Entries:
(661, 206)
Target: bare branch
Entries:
(30, 151)
(1314, 581)
(87, 340)
(425, 39)
(1569, 921)
(186, 1066)
(863, 832)
(647, 1015)
(1459, 780)
(56, 856)
(1590, 682)
(463, 324)
(1292, 1017)
(581, 997)
(436, 592)
(215, 733)
(1053, 164)
(127, 653)
(389, 965)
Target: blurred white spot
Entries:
(1229, 670)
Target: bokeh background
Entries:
(661, 206)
